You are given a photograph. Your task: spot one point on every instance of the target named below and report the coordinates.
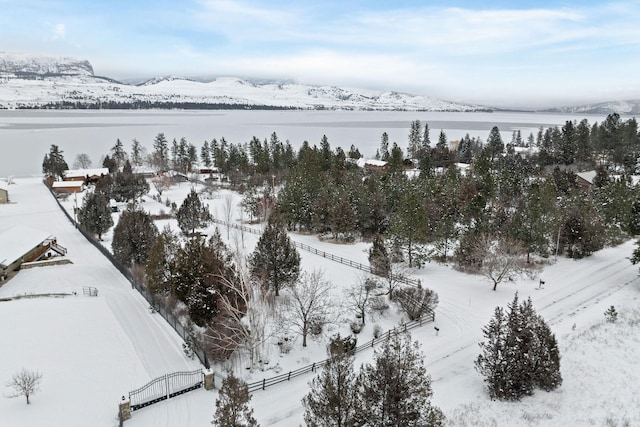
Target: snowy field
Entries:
(91, 351)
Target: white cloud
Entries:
(59, 31)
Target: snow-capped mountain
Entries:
(620, 107)
(29, 82)
(17, 64)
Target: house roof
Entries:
(81, 173)
(4, 186)
(588, 176)
(361, 162)
(18, 241)
(67, 184)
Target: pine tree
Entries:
(161, 258)
(160, 154)
(490, 363)
(384, 147)
(192, 214)
(138, 153)
(379, 259)
(95, 214)
(495, 143)
(275, 261)
(396, 389)
(232, 404)
(118, 154)
(415, 139)
(332, 401)
(519, 353)
(54, 164)
(201, 272)
(133, 237)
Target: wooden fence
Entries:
(344, 261)
(269, 382)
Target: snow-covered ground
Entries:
(91, 351)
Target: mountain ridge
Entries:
(28, 81)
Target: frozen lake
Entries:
(26, 135)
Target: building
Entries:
(24, 244)
(586, 179)
(4, 192)
(372, 165)
(88, 176)
(66, 187)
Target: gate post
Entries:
(124, 409)
(209, 380)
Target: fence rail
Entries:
(345, 261)
(151, 299)
(269, 382)
(165, 387)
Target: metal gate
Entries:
(165, 387)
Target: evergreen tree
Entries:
(332, 401)
(495, 143)
(343, 218)
(138, 153)
(54, 164)
(118, 154)
(133, 237)
(202, 271)
(396, 389)
(379, 259)
(205, 155)
(160, 154)
(384, 147)
(275, 261)
(95, 214)
(415, 139)
(409, 226)
(192, 214)
(232, 404)
(161, 259)
(519, 353)
(128, 185)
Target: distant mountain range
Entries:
(629, 107)
(44, 82)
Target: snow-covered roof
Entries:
(17, 241)
(67, 184)
(362, 162)
(588, 176)
(81, 173)
(4, 186)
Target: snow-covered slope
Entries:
(12, 63)
(620, 107)
(48, 83)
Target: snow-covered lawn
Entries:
(91, 351)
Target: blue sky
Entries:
(508, 53)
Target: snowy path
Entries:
(145, 346)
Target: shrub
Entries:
(416, 302)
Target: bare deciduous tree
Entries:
(246, 313)
(399, 271)
(309, 303)
(499, 258)
(161, 183)
(360, 296)
(25, 383)
(82, 161)
(227, 210)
